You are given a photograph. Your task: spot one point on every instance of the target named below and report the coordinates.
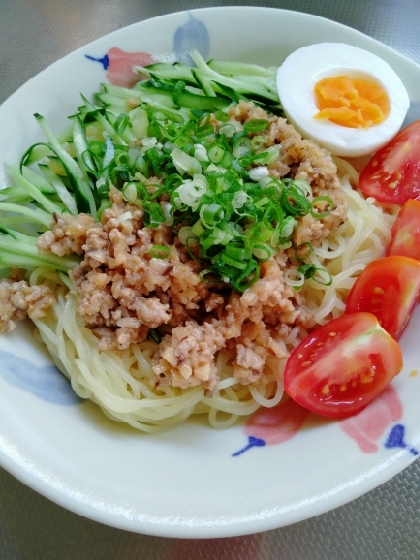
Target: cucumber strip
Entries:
(36, 215)
(109, 154)
(109, 129)
(70, 148)
(175, 71)
(60, 188)
(243, 87)
(12, 245)
(204, 83)
(252, 79)
(20, 199)
(108, 99)
(127, 135)
(202, 102)
(41, 151)
(122, 93)
(195, 90)
(117, 110)
(33, 191)
(82, 149)
(103, 121)
(8, 192)
(159, 84)
(229, 92)
(28, 239)
(15, 221)
(81, 188)
(140, 122)
(88, 111)
(153, 95)
(54, 163)
(65, 278)
(9, 259)
(40, 182)
(181, 111)
(238, 68)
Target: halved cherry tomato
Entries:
(405, 232)
(389, 289)
(393, 173)
(340, 367)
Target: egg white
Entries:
(296, 79)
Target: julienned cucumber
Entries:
(100, 144)
(81, 187)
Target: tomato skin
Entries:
(405, 232)
(340, 367)
(389, 289)
(393, 173)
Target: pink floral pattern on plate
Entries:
(120, 66)
(272, 426)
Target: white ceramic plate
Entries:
(190, 481)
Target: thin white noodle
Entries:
(120, 384)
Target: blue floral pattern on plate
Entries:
(192, 35)
(46, 382)
(396, 439)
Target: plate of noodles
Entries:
(174, 230)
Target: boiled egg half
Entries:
(347, 99)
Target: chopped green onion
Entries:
(294, 203)
(248, 277)
(121, 123)
(207, 278)
(294, 277)
(216, 154)
(211, 214)
(301, 256)
(257, 143)
(238, 252)
(314, 208)
(221, 115)
(228, 130)
(159, 251)
(154, 335)
(185, 163)
(129, 192)
(255, 125)
(315, 273)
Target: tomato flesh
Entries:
(393, 173)
(340, 367)
(405, 232)
(389, 289)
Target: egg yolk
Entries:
(354, 103)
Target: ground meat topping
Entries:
(18, 301)
(123, 291)
(67, 235)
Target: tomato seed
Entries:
(307, 363)
(325, 390)
(332, 333)
(365, 379)
(378, 290)
(374, 163)
(343, 387)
